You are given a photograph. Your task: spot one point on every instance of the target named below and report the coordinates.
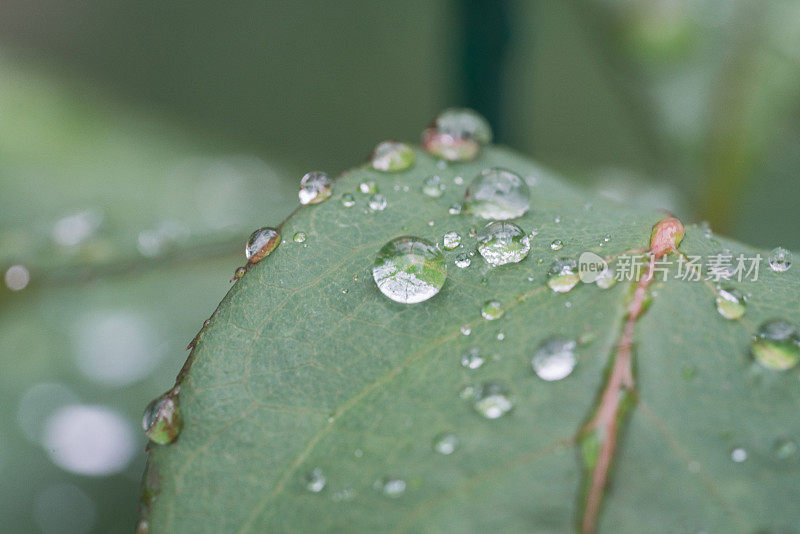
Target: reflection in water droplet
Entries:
(162, 420)
(472, 359)
(457, 134)
(409, 270)
(780, 259)
(503, 242)
(433, 186)
(451, 240)
(377, 202)
(261, 243)
(730, 303)
(738, 455)
(554, 359)
(315, 480)
(391, 156)
(17, 277)
(445, 443)
(562, 275)
(462, 261)
(391, 487)
(299, 237)
(368, 187)
(557, 244)
(497, 194)
(315, 187)
(492, 310)
(348, 200)
(492, 400)
(64, 509)
(88, 440)
(776, 345)
(784, 448)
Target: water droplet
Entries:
(467, 393)
(409, 269)
(391, 487)
(315, 187)
(368, 187)
(606, 279)
(738, 455)
(462, 261)
(780, 259)
(554, 359)
(315, 480)
(557, 244)
(433, 186)
(162, 420)
(457, 134)
(377, 202)
(466, 330)
(784, 448)
(730, 303)
(238, 273)
(492, 310)
(503, 242)
(348, 200)
(454, 209)
(562, 275)
(492, 400)
(391, 156)
(501, 336)
(776, 345)
(17, 277)
(300, 237)
(497, 194)
(606, 239)
(451, 240)
(557, 219)
(472, 359)
(261, 243)
(445, 443)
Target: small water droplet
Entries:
(261, 243)
(457, 134)
(557, 244)
(454, 209)
(458, 180)
(562, 275)
(391, 156)
(467, 393)
(445, 443)
(315, 187)
(431, 223)
(492, 310)
(238, 273)
(162, 420)
(554, 359)
(17, 277)
(492, 400)
(451, 240)
(299, 237)
(462, 261)
(472, 359)
(784, 448)
(377, 202)
(780, 259)
(730, 303)
(777, 345)
(348, 200)
(391, 487)
(368, 187)
(466, 330)
(557, 219)
(738, 455)
(501, 336)
(606, 238)
(433, 187)
(503, 242)
(409, 270)
(315, 480)
(497, 194)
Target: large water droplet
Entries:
(315, 480)
(445, 443)
(562, 275)
(492, 310)
(377, 202)
(391, 487)
(492, 400)
(315, 187)
(409, 269)
(391, 156)
(457, 134)
(780, 259)
(498, 194)
(451, 240)
(433, 186)
(554, 359)
(162, 420)
(472, 358)
(261, 243)
(730, 303)
(777, 345)
(503, 242)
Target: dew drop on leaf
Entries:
(492, 400)
(315, 187)
(391, 156)
(433, 187)
(562, 275)
(462, 261)
(162, 420)
(454, 209)
(498, 194)
(557, 244)
(315, 480)
(348, 201)
(780, 259)
(377, 202)
(451, 240)
(554, 359)
(472, 359)
(492, 310)
(261, 243)
(409, 269)
(503, 242)
(738, 455)
(368, 187)
(730, 303)
(299, 237)
(776, 345)
(391, 487)
(445, 443)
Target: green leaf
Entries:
(305, 365)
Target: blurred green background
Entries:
(141, 142)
